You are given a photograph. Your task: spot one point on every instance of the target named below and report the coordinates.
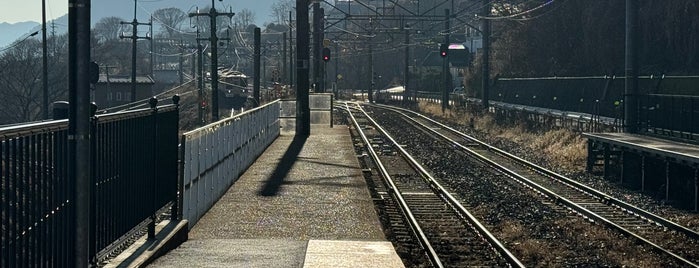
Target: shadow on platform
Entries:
(275, 180)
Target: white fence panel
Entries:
(214, 156)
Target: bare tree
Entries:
(244, 18)
(204, 23)
(280, 11)
(109, 28)
(20, 85)
(171, 19)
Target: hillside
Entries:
(107, 8)
(13, 31)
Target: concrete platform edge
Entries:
(169, 236)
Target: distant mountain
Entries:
(13, 31)
(108, 8)
(125, 9)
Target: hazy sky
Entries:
(14, 11)
(30, 10)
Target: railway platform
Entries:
(669, 169)
(303, 203)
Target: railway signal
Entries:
(326, 54)
(443, 50)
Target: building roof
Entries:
(121, 79)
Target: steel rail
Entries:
(553, 196)
(594, 192)
(431, 253)
(436, 186)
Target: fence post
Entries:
(154, 167)
(92, 248)
(176, 213)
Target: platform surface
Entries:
(666, 148)
(303, 203)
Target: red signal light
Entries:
(326, 54)
(443, 49)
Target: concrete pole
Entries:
(631, 69)
(445, 65)
(321, 63)
(316, 46)
(291, 54)
(44, 72)
(485, 80)
(303, 111)
(283, 60)
(406, 72)
(256, 67)
(214, 64)
(79, 166)
(372, 76)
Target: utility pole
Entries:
(200, 79)
(134, 39)
(256, 67)
(45, 70)
(631, 69)
(284, 70)
(485, 80)
(109, 89)
(372, 75)
(303, 111)
(291, 53)
(152, 47)
(321, 44)
(337, 59)
(445, 64)
(213, 39)
(181, 62)
(406, 72)
(316, 46)
(79, 160)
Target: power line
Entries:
(19, 42)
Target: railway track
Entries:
(446, 232)
(665, 237)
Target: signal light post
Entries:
(444, 52)
(325, 57)
(326, 54)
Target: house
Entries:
(114, 90)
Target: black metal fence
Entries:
(134, 165)
(672, 115)
(36, 193)
(598, 95)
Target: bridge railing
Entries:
(214, 156)
(134, 165)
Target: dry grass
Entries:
(561, 147)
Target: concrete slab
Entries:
(335, 253)
(235, 253)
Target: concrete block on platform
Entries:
(337, 253)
